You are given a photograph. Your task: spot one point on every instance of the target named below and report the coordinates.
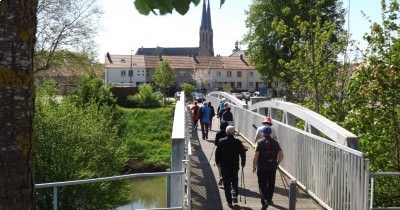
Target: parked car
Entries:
(238, 96)
(255, 93)
(199, 97)
(246, 95)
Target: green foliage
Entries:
(188, 89)
(164, 7)
(77, 142)
(293, 41)
(374, 99)
(147, 132)
(91, 88)
(146, 98)
(164, 77)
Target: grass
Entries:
(147, 133)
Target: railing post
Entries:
(55, 198)
(292, 194)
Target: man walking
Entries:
(227, 157)
(205, 113)
(267, 157)
(266, 123)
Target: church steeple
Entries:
(206, 46)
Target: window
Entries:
(228, 74)
(251, 84)
(239, 74)
(182, 74)
(251, 74)
(123, 73)
(239, 85)
(218, 74)
(232, 85)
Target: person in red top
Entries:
(195, 114)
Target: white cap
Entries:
(230, 130)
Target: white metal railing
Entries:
(179, 189)
(56, 185)
(333, 174)
(373, 175)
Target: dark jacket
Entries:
(228, 151)
(218, 136)
(227, 116)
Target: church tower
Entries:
(206, 46)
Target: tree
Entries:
(202, 77)
(374, 98)
(74, 142)
(188, 89)
(282, 31)
(146, 98)
(17, 41)
(65, 26)
(164, 77)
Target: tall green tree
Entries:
(17, 41)
(283, 31)
(65, 27)
(164, 77)
(374, 98)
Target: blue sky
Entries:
(123, 29)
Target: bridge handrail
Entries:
(335, 175)
(373, 175)
(326, 126)
(228, 98)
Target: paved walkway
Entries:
(208, 196)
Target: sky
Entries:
(123, 30)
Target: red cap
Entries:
(267, 121)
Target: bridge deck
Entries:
(206, 194)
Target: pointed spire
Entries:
(209, 16)
(204, 16)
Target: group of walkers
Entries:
(205, 114)
(268, 153)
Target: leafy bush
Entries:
(77, 142)
(188, 89)
(146, 98)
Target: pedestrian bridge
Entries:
(321, 156)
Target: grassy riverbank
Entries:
(147, 132)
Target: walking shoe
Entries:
(220, 183)
(265, 206)
(235, 200)
(270, 202)
(230, 205)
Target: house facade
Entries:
(226, 72)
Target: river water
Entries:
(149, 192)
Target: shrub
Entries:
(146, 98)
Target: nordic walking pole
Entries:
(244, 187)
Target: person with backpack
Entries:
(266, 123)
(218, 136)
(267, 157)
(227, 157)
(195, 117)
(204, 116)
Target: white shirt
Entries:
(259, 132)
